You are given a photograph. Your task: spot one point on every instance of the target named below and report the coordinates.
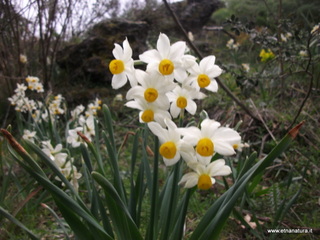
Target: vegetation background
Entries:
(278, 94)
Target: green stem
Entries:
(154, 210)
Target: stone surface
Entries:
(87, 62)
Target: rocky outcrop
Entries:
(86, 63)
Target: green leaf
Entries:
(120, 215)
(18, 223)
(213, 221)
(60, 196)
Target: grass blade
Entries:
(18, 223)
(129, 229)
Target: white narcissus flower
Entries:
(54, 153)
(23, 58)
(28, 135)
(150, 111)
(20, 90)
(153, 87)
(73, 138)
(88, 125)
(202, 75)
(34, 84)
(71, 173)
(181, 98)
(203, 175)
(93, 107)
(122, 66)
(77, 111)
(172, 146)
(211, 138)
(166, 59)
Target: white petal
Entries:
(207, 63)
(214, 72)
(174, 110)
(209, 127)
(191, 107)
(134, 92)
(170, 124)
(180, 75)
(189, 180)
(187, 152)
(117, 51)
(223, 148)
(177, 50)
(213, 86)
(218, 168)
(134, 104)
(163, 101)
(163, 46)
(226, 134)
(159, 131)
(170, 162)
(118, 80)
(203, 160)
(127, 51)
(150, 56)
(160, 115)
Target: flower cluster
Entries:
(82, 119)
(34, 84)
(169, 86)
(231, 44)
(266, 55)
(19, 99)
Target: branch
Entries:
(198, 53)
(310, 84)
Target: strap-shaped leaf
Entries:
(7, 215)
(213, 221)
(119, 212)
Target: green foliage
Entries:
(126, 194)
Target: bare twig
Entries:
(310, 83)
(198, 53)
(263, 122)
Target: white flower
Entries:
(55, 105)
(23, 58)
(202, 75)
(172, 146)
(232, 45)
(54, 153)
(92, 108)
(246, 67)
(303, 53)
(211, 138)
(118, 98)
(153, 88)
(203, 175)
(122, 66)
(73, 137)
(29, 135)
(20, 90)
(71, 173)
(34, 84)
(315, 29)
(182, 98)
(166, 59)
(77, 111)
(88, 125)
(150, 111)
